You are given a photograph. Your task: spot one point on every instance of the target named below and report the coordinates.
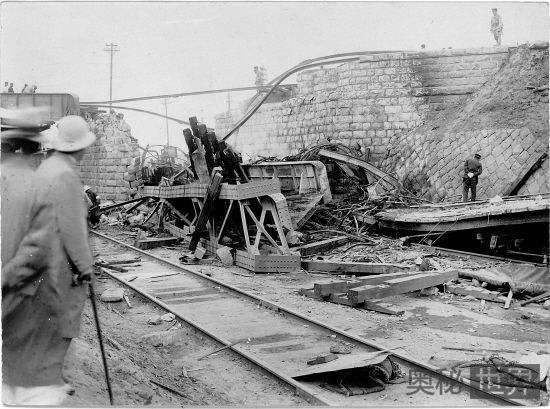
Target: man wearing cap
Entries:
(496, 26)
(70, 256)
(472, 169)
(27, 231)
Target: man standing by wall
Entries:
(496, 26)
(472, 169)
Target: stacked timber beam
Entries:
(366, 291)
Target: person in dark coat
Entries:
(70, 256)
(472, 169)
(27, 304)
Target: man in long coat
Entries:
(71, 259)
(37, 338)
(27, 227)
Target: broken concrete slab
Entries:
(157, 320)
(224, 254)
(168, 317)
(112, 295)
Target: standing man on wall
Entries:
(496, 26)
(70, 256)
(472, 169)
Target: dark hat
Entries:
(494, 9)
(477, 156)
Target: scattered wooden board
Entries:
(151, 243)
(477, 292)
(323, 245)
(537, 298)
(400, 285)
(212, 195)
(339, 286)
(349, 267)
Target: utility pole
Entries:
(111, 49)
(166, 103)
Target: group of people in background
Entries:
(46, 258)
(27, 89)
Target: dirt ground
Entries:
(222, 379)
(428, 324)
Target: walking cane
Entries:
(100, 337)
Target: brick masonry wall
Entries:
(111, 166)
(365, 102)
(432, 164)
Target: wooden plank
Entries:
(508, 300)
(191, 147)
(400, 285)
(372, 306)
(342, 299)
(208, 206)
(389, 179)
(151, 243)
(323, 245)
(110, 207)
(349, 267)
(208, 154)
(326, 289)
(537, 298)
(107, 265)
(477, 292)
(339, 286)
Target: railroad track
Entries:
(276, 338)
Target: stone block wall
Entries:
(365, 102)
(539, 181)
(431, 165)
(111, 166)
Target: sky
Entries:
(172, 47)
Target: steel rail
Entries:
(179, 121)
(181, 94)
(292, 313)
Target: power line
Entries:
(166, 103)
(111, 49)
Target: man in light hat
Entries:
(70, 256)
(27, 230)
(496, 26)
(472, 169)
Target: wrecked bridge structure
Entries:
(321, 239)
